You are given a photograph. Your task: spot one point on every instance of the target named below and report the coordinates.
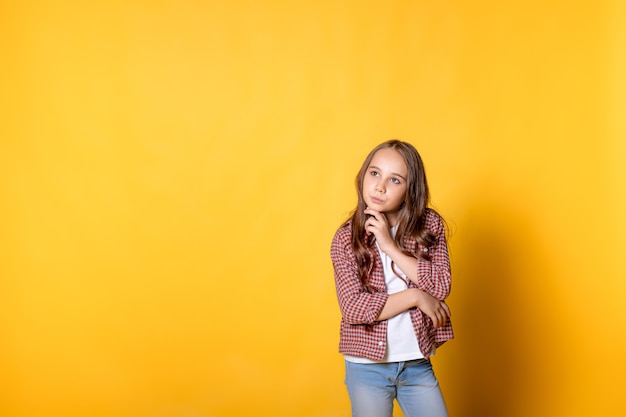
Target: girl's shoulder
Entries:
(342, 241)
(344, 231)
(431, 215)
(433, 220)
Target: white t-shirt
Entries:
(401, 340)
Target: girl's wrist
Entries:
(397, 255)
(392, 250)
(418, 296)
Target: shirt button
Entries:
(380, 343)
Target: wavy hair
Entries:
(411, 215)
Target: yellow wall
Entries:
(172, 174)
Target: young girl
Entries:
(392, 273)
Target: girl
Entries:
(392, 273)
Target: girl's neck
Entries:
(392, 218)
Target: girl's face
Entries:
(384, 184)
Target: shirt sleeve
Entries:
(358, 306)
(434, 276)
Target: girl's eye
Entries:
(374, 173)
(395, 181)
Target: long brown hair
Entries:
(411, 215)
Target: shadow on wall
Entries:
(487, 362)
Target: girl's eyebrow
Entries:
(393, 173)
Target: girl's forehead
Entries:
(389, 159)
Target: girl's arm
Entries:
(357, 305)
(399, 302)
(431, 276)
(432, 306)
(434, 276)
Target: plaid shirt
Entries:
(361, 335)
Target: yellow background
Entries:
(172, 174)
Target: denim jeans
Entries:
(373, 387)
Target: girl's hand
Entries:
(437, 310)
(377, 225)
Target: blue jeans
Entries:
(373, 387)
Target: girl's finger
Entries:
(373, 213)
(445, 309)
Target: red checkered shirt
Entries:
(361, 335)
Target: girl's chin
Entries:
(375, 206)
